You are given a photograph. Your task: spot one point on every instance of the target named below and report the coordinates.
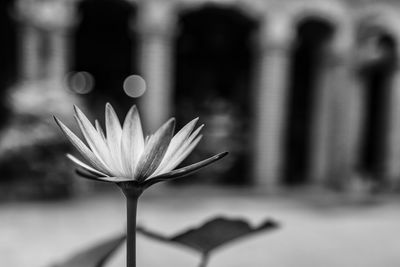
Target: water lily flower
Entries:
(122, 154)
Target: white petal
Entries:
(154, 151)
(91, 176)
(82, 148)
(84, 165)
(176, 143)
(178, 160)
(181, 172)
(114, 132)
(115, 179)
(132, 141)
(100, 131)
(94, 139)
(181, 150)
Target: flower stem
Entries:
(131, 206)
(132, 193)
(204, 260)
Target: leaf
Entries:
(212, 234)
(94, 256)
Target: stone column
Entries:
(270, 101)
(44, 23)
(56, 18)
(345, 122)
(321, 119)
(392, 171)
(155, 27)
(29, 42)
(58, 61)
(29, 61)
(336, 121)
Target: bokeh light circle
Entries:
(81, 82)
(134, 86)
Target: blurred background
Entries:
(305, 95)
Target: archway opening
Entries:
(105, 52)
(307, 59)
(213, 80)
(376, 75)
(8, 55)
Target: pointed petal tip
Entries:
(109, 106)
(76, 109)
(169, 124)
(221, 155)
(194, 121)
(56, 120)
(60, 124)
(78, 112)
(171, 120)
(133, 111)
(197, 131)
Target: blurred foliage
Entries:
(36, 172)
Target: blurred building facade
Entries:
(301, 92)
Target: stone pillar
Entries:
(270, 101)
(392, 171)
(389, 169)
(155, 27)
(56, 18)
(29, 61)
(345, 122)
(44, 23)
(320, 132)
(58, 63)
(336, 121)
(29, 42)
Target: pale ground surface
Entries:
(317, 229)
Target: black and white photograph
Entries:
(199, 133)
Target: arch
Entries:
(213, 77)
(378, 63)
(335, 13)
(105, 47)
(250, 10)
(309, 52)
(379, 15)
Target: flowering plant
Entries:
(122, 155)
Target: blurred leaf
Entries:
(213, 233)
(94, 256)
